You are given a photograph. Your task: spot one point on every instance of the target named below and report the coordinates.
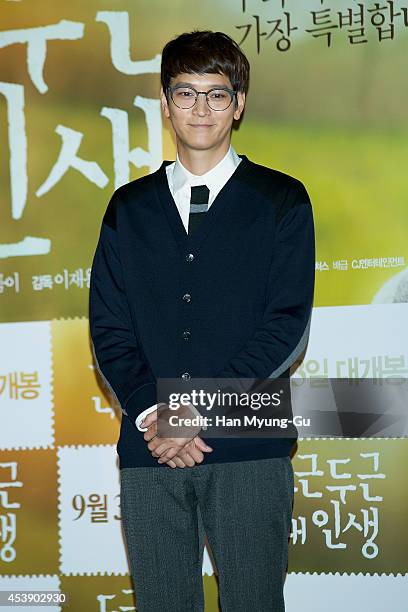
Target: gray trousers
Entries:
(244, 508)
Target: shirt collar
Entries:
(214, 178)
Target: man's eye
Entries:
(184, 93)
(218, 95)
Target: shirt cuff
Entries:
(142, 415)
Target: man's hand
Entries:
(171, 422)
(176, 452)
(189, 455)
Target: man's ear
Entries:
(240, 104)
(164, 103)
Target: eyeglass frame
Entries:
(232, 93)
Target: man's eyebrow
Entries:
(186, 84)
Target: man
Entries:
(204, 268)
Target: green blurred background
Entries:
(333, 116)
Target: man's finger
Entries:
(189, 454)
(159, 447)
(155, 442)
(171, 453)
(177, 461)
(151, 432)
(168, 453)
(185, 457)
(157, 454)
(196, 454)
(202, 445)
(149, 419)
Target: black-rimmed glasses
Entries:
(218, 98)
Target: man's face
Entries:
(200, 127)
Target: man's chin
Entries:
(201, 144)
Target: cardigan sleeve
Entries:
(283, 333)
(117, 351)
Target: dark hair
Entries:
(202, 51)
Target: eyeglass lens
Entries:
(185, 97)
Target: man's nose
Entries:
(201, 105)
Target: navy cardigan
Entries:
(248, 274)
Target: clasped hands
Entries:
(182, 451)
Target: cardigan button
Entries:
(187, 297)
(186, 376)
(190, 257)
(186, 334)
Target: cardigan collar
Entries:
(218, 209)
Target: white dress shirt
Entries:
(180, 181)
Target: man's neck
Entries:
(199, 162)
